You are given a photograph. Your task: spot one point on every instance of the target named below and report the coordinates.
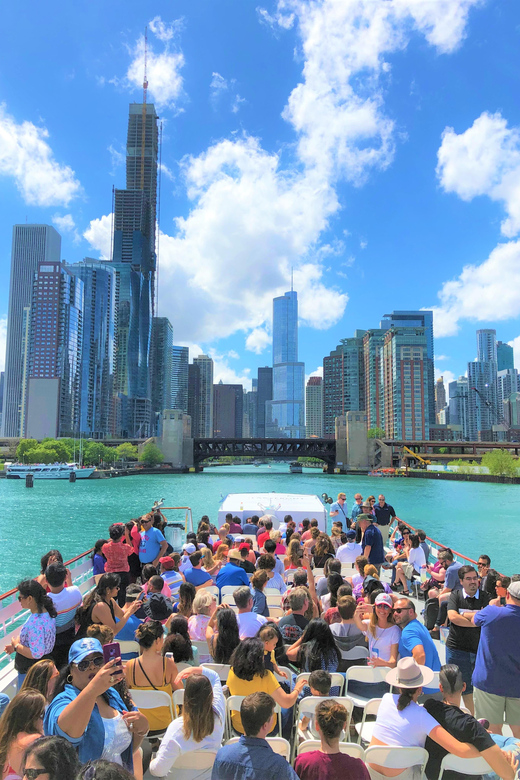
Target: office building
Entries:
(505, 356)
(265, 394)
(483, 410)
(314, 407)
(373, 341)
(97, 411)
(508, 382)
(406, 383)
(180, 360)
(511, 409)
(440, 397)
(194, 399)
(458, 414)
(228, 411)
(343, 381)
(285, 414)
(205, 365)
(55, 351)
(162, 369)
(31, 245)
(249, 424)
(2, 377)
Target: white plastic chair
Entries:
(289, 674)
(338, 681)
(278, 744)
(307, 708)
(221, 669)
(364, 674)
(227, 590)
(465, 766)
(213, 590)
(192, 760)
(365, 729)
(202, 647)
(318, 573)
(178, 700)
(271, 592)
(149, 700)
(289, 575)
(233, 705)
(354, 654)
(397, 757)
(182, 666)
(274, 599)
(129, 646)
(349, 748)
(275, 612)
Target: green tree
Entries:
(59, 449)
(110, 455)
(24, 446)
(151, 454)
(126, 451)
(376, 433)
(500, 463)
(40, 454)
(93, 453)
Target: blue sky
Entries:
(373, 145)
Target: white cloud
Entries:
(27, 157)
(317, 372)
(515, 343)
(258, 340)
(218, 85)
(447, 376)
(3, 340)
(65, 223)
(117, 158)
(99, 235)
(165, 83)
(164, 32)
(484, 160)
(223, 372)
(441, 358)
(221, 87)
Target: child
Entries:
(269, 637)
(320, 682)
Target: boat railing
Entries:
(435, 546)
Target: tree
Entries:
(376, 433)
(24, 446)
(61, 452)
(126, 451)
(151, 454)
(500, 463)
(94, 452)
(40, 454)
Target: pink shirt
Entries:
(116, 554)
(316, 765)
(197, 625)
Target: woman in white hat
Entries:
(382, 633)
(402, 722)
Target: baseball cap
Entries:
(166, 563)
(351, 534)
(189, 548)
(514, 590)
(238, 538)
(83, 648)
(384, 598)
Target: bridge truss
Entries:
(275, 449)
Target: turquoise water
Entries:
(470, 517)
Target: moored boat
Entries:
(47, 470)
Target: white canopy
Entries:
(298, 505)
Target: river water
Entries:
(472, 518)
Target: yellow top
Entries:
(238, 687)
(159, 718)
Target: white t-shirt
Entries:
(348, 552)
(249, 624)
(66, 603)
(416, 558)
(408, 728)
(379, 645)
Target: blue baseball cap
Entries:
(351, 534)
(83, 648)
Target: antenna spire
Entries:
(145, 94)
(292, 276)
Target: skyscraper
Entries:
(482, 396)
(265, 393)
(314, 407)
(285, 413)
(162, 368)
(228, 410)
(508, 382)
(205, 365)
(458, 392)
(194, 399)
(31, 245)
(249, 424)
(505, 356)
(406, 383)
(373, 341)
(343, 381)
(180, 360)
(440, 397)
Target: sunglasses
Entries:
(401, 609)
(86, 663)
(383, 606)
(32, 774)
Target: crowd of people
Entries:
(286, 611)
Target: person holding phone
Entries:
(89, 713)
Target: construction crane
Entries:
(422, 461)
(145, 93)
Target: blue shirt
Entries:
(416, 634)
(249, 529)
(232, 574)
(197, 576)
(150, 545)
(341, 510)
(98, 564)
(452, 576)
(251, 759)
(497, 668)
(260, 603)
(357, 509)
(384, 514)
(372, 538)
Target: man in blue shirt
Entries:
(338, 510)
(357, 509)
(385, 513)
(372, 542)
(250, 527)
(232, 573)
(153, 545)
(415, 639)
(252, 757)
(195, 575)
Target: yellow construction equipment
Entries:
(421, 460)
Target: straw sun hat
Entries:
(409, 674)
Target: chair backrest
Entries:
(271, 592)
(397, 757)
(307, 707)
(226, 591)
(318, 573)
(274, 599)
(366, 674)
(288, 672)
(212, 589)
(178, 700)
(350, 748)
(338, 681)
(278, 744)
(193, 759)
(202, 647)
(221, 669)
(129, 646)
(289, 575)
(354, 654)
(182, 666)
(465, 766)
(275, 612)
(149, 700)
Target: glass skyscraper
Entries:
(162, 359)
(180, 361)
(285, 414)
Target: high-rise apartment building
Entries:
(162, 368)
(31, 245)
(180, 360)
(512, 413)
(458, 393)
(406, 383)
(205, 365)
(440, 397)
(285, 414)
(97, 412)
(373, 341)
(228, 410)
(194, 399)
(508, 382)
(314, 407)
(55, 350)
(343, 381)
(505, 356)
(265, 394)
(482, 398)
(249, 424)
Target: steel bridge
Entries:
(275, 449)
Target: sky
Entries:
(372, 146)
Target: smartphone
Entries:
(168, 655)
(110, 651)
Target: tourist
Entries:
(204, 605)
(187, 593)
(336, 535)
(334, 581)
(463, 637)
(320, 683)
(332, 566)
(357, 578)
(98, 559)
(222, 634)
(332, 615)
(20, 725)
(329, 763)
(269, 548)
(221, 556)
(249, 622)
(415, 640)
(292, 626)
(153, 545)
(292, 559)
(38, 633)
(178, 643)
(203, 538)
(42, 676)
(234, 524)
(321, 552)
(338, 510)
(415, 561)
(463, 727)
(66, 602)
(267, 563)
(357, 509)
(276, 537)
(223, 537)
(270, 636)
(451, 582)
(349, 550)
(117, 551)
(316, 649)
(380, 629)
(201, 725)
(249, 675)
(127, 633)
(385, 514)
(252, 757)
(105, 770)
(496, 677)
(232, 573)
(307, 531)
(246, 564)
(134, 527)
(152, 672)
(424, 544)
(53, 556)
(171, 575)
(250, 527)
(402, 722)
(161, 586)
(258, 582)
(310, 543)
(195, 574)
(100, 606)
(501, 586)
(483, 566)
(372, 541)
(50, 758)
(261, 538)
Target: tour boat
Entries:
(47, 470)
(295, 468)
(298, 505)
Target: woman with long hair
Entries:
(201, 725)
(330, 599)
(117, 552)
(406, 570)
(276, 537)
(221, 554)
(209, 563)
(98, 559)
(42, 676)
(222, 634)
(53, 556)
(316, 648)
(204, 605)
(38, 633)
(100, 606)
(179, 643)
(321, 552)
(20, 724)
(335, 537)
(293, 558)
(152, 672)
(187, 593)
(382, 633)
(54, 758)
